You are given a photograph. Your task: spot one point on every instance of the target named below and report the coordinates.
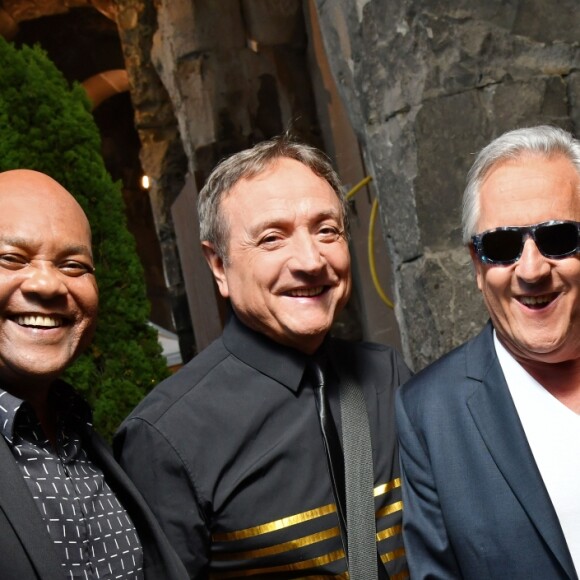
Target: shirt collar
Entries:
(9, 406)
(283, 364)
(71, 407)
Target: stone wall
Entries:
(162, 153)
(207, 82)
(427, 83)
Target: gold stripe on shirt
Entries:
(275, 525)
(390, 509)
(344, 576)
(389, 532)
(390, 556)
(386, 487)
(280, 548)
(312, 563)
(400, 576)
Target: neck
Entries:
(37, 397)
(561, 380)
(47, 417)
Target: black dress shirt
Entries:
(236, 467)
(90, 529)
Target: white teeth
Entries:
(301, 292)
(46, 321)
(534, 300)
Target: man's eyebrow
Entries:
(14, 241)
(66, 250)
(77, 249)
(282, 221)
(262, 225)
(330, 213)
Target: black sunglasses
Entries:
(554, 239)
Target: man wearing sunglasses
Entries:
(490, 433)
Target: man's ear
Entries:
(216, 265)
(477, 265)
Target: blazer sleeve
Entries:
(164, 480)
(429, 552)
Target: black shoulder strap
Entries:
(359, 478)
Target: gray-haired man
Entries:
(490, 434)
(237, 468)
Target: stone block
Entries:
(525, 103)
(274, 22)
(574, 101)
(440, 305)
(448, 131)
(548, 22)
(195, 26)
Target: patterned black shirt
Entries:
(91, 530)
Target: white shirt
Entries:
(553, 432)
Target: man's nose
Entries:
(43, 279)
(307, 254)
(532, 265)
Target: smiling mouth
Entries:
(307, 292)
(36, 321)
(537, 302)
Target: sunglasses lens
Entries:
(557, 239)
(502, 245)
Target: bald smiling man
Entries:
(67, 510)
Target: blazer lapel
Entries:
(496, 418)
(18, 505)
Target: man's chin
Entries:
(305, 339)
(542, 350)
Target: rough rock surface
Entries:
(427, 84)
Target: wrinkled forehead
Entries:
(283, 176)
(528, 190)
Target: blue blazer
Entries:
(26, 550)
(475, 505)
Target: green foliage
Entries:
(47, 125)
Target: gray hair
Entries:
(543, 140)
(246, 165)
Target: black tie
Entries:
(331, 443)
